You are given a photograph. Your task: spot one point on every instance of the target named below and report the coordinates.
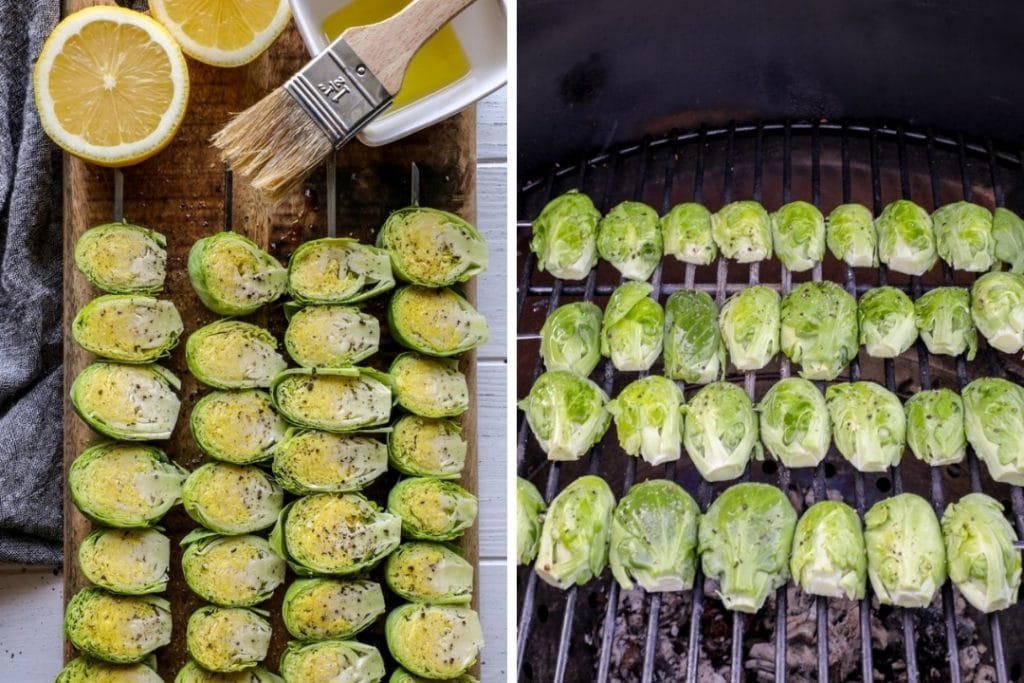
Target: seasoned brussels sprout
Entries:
(427, 447)
(126, 561)
(432, 248)
(232, 499)
(128, 328)
(798, 235)
(331, 336)
(851, 237)
(229, 354)
(629, 238)
(87, 670)
(632, 328)
(193, 673)
(906, 559)
(577, 528)
(310, 461)
(749, 321)
(429, 387)
(432, 509)
(122, 258)
(694, 350)
(333, 399)
(530, 508)
(963, 236)
(403, 676)
(868, 424)
(434, 641)
(233, 276)
(566, 413)
(686, 231)
(654, 537)
(437, 322)
(565, 236)
(905, 240)
(794, 423)
(818, 329)
(742, 230)
(829, 557)
(935, 426)
(943, 319)
(571, 338)
(321, 609)
(430, 573)
(120, 629)
(127, 402)
(980, 556)
(1008, 234)
(648, 419)
(329, 661)
(997, 309)
(720, 431)
(237, 426)
(338, 270)
(125, 485)
(227, 638)
(994, 422)
(744, 543)
(230, 571)
(886, 318)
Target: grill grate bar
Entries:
(726, 287)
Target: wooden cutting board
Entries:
(181, 193)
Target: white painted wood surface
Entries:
(30, 597)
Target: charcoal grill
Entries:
(578, 634)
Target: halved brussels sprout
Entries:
(997, 308)
(429, 387)
(576, 532)
(981, 558)
(818, 329)
(720, 431)
(230, 354)
(331, 336)
(403, 676)
(120, 629)
(935, 426)
(125, 485)
(648, 420)
(829, 557)
(566, 413)
(127, 402)
(321, 609)
(237, 426)
(126, 561)
(338, 270)
(430, 573)
(742, 230)
(432, 248)
(565, 236)
(427, 447)
(1008, 234)
(905, 240)
(88, 670)
(886, 318)
(122, 258)
(310, 461)
(632, 328)
(749, 322)
(432, 509)
(230, 571)
(571, 338)
(437, 322)
(232, 499)
(193, 673)
(128, 328)
(530, 508)
(994, 422)
(963, 236)
(798, 235)
(693, 347)
(868, 424)
(333, 399)
(233, 276)
(341, 534)
(943, 319)
(330, 661)
(686, 232)
(906, 558)
(227, 638)
(434, 641)
(629, 238)
(851, 237)
(794, 423)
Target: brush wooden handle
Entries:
(386, 48)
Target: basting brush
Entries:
(278, 141)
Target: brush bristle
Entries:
(274, 144)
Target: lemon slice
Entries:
(223, 32)
(111, 85)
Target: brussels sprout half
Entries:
(232, 275)
(331, 336)
(333, 399)
(122, 258)
(935, 426)
(868, 424)
(240, 427)
(1008, 234)
(742, 230)
(693, 347)
(193, 673)
(127, 402)
(566, 413)
(310, 461)
(432, 509)
(818, 329)
(437, 322)
(117, 628)
(432, 248)
(429, 573)
(322, 609)
(230, 571)
(403, 676)
(686, 232)
(126, 561)
(794, 423)
(530, 508)
(88, 670)
(232, 499)
(886, 319)
(798, 235)
(632, 327)
(749, 322)
(980, 556)
(427, 447)
(851, 237)
(128, 328)
(576, 532)
(434, 641)
(994, 422)
(943, 319)
(338, 270)
(963, 236)
(571, 338)
(906, 558)
(629, 238)
(720, 431)
(905, 240)
(565, 236)
(997, 309)
(429, 387)
(648, 420)
(330, 661)
(829, 557)
(229, 354)
(227, 639)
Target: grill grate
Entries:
(571, 635)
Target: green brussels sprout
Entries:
(571, 338)
(749, 322)
(310, 461)
(868, 424)
(126, 561)
(686, 231)
(120, 629)
(122, 258)
(632, 328)
(997, 309)
(339, 534)
(629, 238)
(798, 235)
(128, 328)
(530, 508)
(193, 673)
(694, 350)
(935, 426)
(566, 413)
(429, 387)
(338, 270)
(654, 537)
(329, 661)
(906, 558)
(905, 240)
(434, 641)
(794, 423)
(430, 573)
(963, 236)
(1008, 234)
(742, 230)
(829, 557)
(333, 399)
(322, 609)
(437, 322)
(648, 419)
(565, 236)
(943, 319)
(980, 554)
(427, 447)
(127, 402)
(125, 485)
(331, 336)
(744, 543)
(720, 431)
(232, 499)
(994, 422)
(240, 427)
(432, 509)
(577, 529)
(233, 276)
(432, 248)
(403, 676)
(818, 329)
(88, 670)
(230, 571)
(886, 319)
(229, 354)
(227, 638)
(851, 237)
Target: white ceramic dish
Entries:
(481, 31)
